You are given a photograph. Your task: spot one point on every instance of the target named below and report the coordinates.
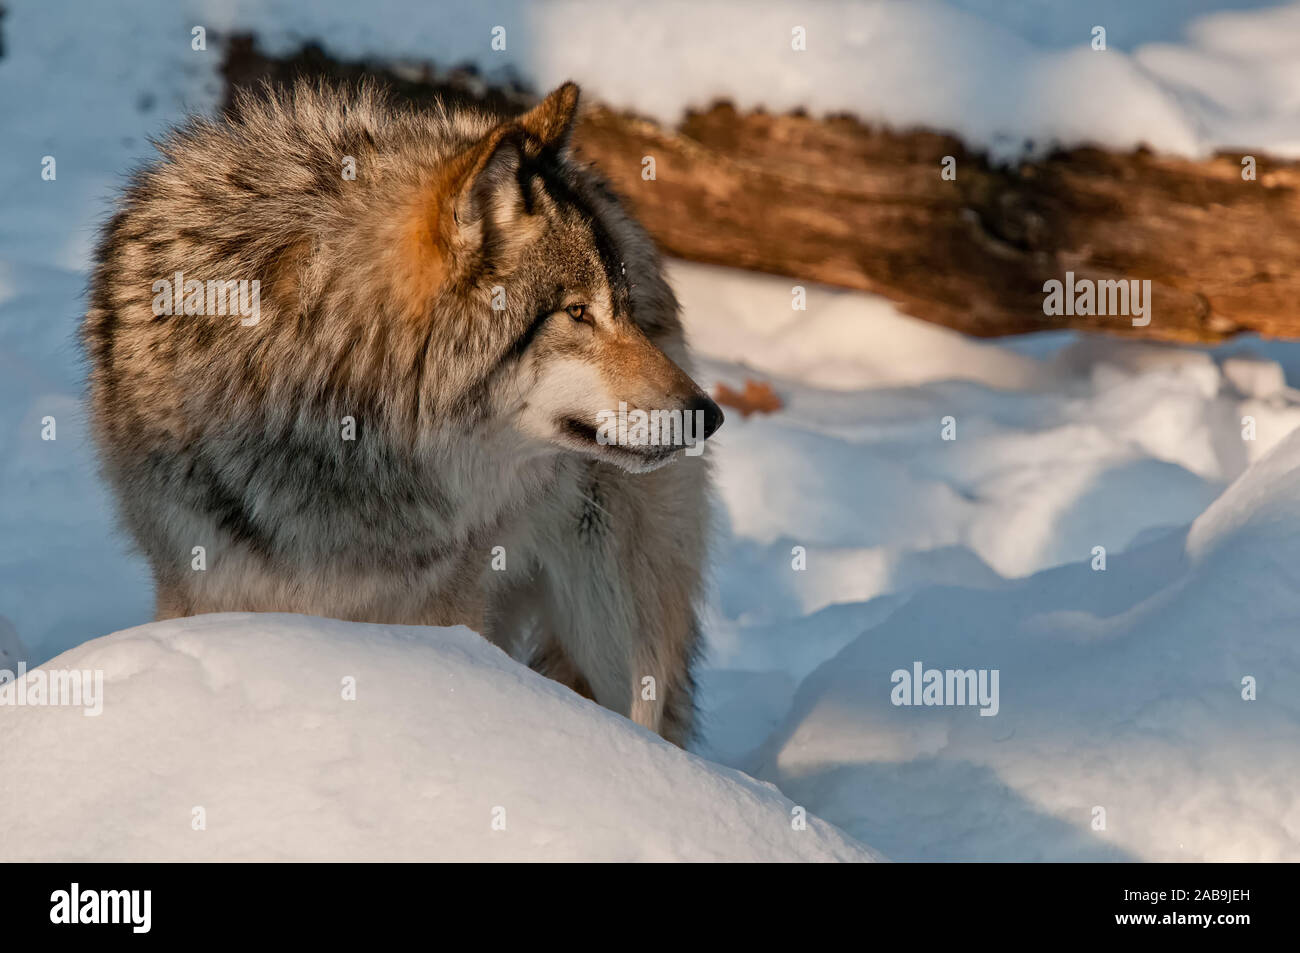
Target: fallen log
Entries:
(839, 202)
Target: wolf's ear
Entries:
(484, 184)
(468, 205)
(550, 123)
(485, 181)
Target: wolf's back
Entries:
(236, 321)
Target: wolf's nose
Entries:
(712, 414)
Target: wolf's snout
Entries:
(713, 415)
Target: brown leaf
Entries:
(757, 397)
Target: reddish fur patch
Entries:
(419, 253)
(286, 279)
(631, 364)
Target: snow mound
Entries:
(1256, 517)
(1159, 699)
(243, 717)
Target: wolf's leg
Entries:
(551, 660)
(624, 572)
(517, 623)
(678, 723)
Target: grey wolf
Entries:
(448, 301)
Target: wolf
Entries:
(448, 301)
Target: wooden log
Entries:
(839, 202)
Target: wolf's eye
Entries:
(578, 312)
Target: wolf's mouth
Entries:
(582, 435)
(579, 429)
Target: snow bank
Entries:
(1063, 443)
(1093, 444)
(1174, 76)
(244, 717)
(1160, 697)
(1181, 77)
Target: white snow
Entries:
(229, 737)
(1182, 77)
(1121, 689)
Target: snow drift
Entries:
(244, 719)
(1150, 711)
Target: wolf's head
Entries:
(559, 293)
